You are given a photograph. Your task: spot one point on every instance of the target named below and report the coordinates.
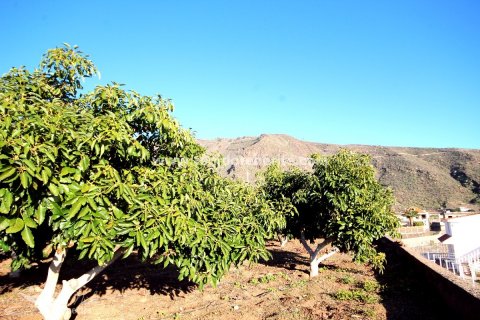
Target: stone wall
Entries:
(462, 297)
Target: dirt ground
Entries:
(277, 289)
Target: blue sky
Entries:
(393, 73)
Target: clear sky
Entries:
(393, 73)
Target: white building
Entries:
(462, 237)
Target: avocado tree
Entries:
(340, 201)
(103, 174)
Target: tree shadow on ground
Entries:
(405, 293)
(133, 274)
(124, 274)
(285, 259)
(35, 275)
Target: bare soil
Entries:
(277, 289)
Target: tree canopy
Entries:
(110, 172)
(340, 201)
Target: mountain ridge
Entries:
(424, 177)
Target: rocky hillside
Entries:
(423, 177)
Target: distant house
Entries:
(462, 235)
(423, 217)
(416, 227)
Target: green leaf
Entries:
(129, 251)
(7, 202)
(29, 222)
(53, 189)
(87, 239)
(7, 174)
(16, 226)
(85, 210)
(56, 209)
(27, 236)
(84, 163)
(4, 223)
(40, 213)
(50, 156)
(92, 203)
(67, 170)
(118, 213)
(117, 176)
(143, 243)
(44, 176)
(29, 164)
(25, 179)
(74, 209)
(82, 254)
(4, 246)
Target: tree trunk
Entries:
(313, 268)
(45, 300)
(315, 260)
(53, 308)
(282, 239)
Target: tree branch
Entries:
(87, 277)
(56, 309)
(326, 255)
(305, 244)
(316, 261)
(320, 247)
(71, 286)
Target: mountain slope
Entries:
(423, 177)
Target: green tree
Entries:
(341, 202)
(411, 213)
(108, 173)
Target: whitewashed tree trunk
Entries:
(315, 260)
(53, 308)
(45, 300)
(283, 239)
(313, 268)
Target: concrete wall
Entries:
(411, 230)
(460, 296)
(428, 240)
